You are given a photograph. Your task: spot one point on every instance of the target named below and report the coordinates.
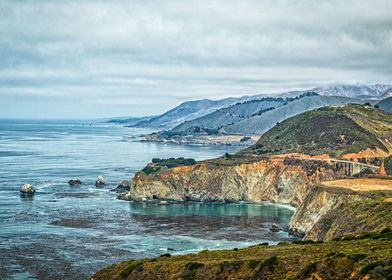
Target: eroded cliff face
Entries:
(272, 180)
(323, 212)
(319, 202)
(329, 212)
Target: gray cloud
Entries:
(102, 58)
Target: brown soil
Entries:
(361, 184)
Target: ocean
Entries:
(69, 232)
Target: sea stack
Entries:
(27, 190)
(100, 181)
(74, 182)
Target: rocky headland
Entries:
(330, 164)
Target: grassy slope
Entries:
(354, 258)
(330, 130)
(372, 214)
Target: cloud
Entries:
(155, 54)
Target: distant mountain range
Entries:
(256, 117)
(253, 115)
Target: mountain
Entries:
(376, 91)
(128, 120)
(352, 130)
(385, 104)
(256, 117)
(229, 115)
(192, 110)
(188, 111)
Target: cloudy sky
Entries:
(73, 59)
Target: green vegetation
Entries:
(372, 214)
(330, 130)
(130, 268)
(367, 255)
(160, 164)
(190, 270)
(388, 165)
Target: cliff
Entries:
(277, 180)
(287, 165)
(329, 211)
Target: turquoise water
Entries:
(80, 229)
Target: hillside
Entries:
(385, 104)
(188, 111)
(367, 256)
(337, 131)
(256, 116)
(226, 116)
(259, 124)
(192, 110)
(375, 92)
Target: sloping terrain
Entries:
(229, 115)
(190, 110)
(367, 256)
(386, 104)
(336, 131)
(256, 117)
(375, 92)
(259, 124)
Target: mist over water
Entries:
(70, 232)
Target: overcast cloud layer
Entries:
(67, 59)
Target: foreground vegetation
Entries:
(365, 256)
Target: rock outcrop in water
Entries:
(100, 181)
(27, 189)
(74, 182)
(122, 187)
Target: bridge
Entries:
(349, 168)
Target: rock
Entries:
(100, 181)
(124, 186)
(274, 228)
(163, 202)
(74, 182)
(27, 189)
(170, 249)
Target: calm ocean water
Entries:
(68, 232)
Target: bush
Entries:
(130, 268)
(252, 264)
(165, 255)
(370, 266)
(193, 265)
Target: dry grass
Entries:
(361, 184)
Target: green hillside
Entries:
(330, 130)
(367, 256)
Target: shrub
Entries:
(193, 265)
(130, 268)
(165, 255)
(370, 266)
(252, 264)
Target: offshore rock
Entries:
(74, 182)
(122, 187)
(27, 189)
(100, 181)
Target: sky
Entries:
(93, 59)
